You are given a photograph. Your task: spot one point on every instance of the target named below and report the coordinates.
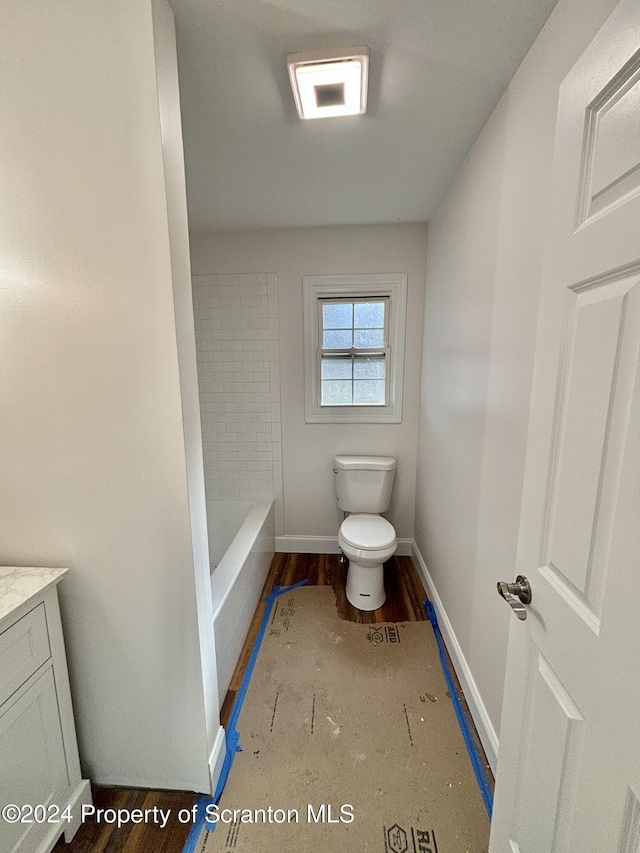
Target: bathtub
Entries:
(241, 548)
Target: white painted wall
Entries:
(484, 261)
(308, 449)
(94, 474)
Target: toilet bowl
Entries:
(368, 541)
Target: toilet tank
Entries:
(364, 483)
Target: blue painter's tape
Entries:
(196, 828)
(232, 736)
(476, 762)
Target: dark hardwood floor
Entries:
(405, 595)
(94, 837)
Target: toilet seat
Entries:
(368, 532)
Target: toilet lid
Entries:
(367, 532)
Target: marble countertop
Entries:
(18, 585)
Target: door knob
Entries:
(516, 595)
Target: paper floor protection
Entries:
(349, 743)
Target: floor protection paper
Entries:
(349, 742)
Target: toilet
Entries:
(363, 489)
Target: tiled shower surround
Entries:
(236, 319)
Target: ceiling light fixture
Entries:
(330, 82)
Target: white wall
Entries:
(308, 449)
(92, 449)
(484, 261)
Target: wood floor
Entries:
(94, 837)
(405, 595)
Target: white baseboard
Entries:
(486, 731)
(405, 548)
(216, 759)
(326, 545)
(80, 797)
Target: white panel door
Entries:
(569, 766)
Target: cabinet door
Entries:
(33, 769)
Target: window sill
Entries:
(359, 415)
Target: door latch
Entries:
(516, 595)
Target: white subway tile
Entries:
(228, 280)
(207, 280)
(249, 279)
(237, 335)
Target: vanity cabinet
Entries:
(39, 764)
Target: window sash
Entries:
(354, 355)
(353, 301)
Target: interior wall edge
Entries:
(170, 125)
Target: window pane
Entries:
(336, 368)
(369, 315)
(368, 338)
(337, 315)
(336, 392)
(368, 392)
(337, 340)
(369, 368)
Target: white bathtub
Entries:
(241, 547)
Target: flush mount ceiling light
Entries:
(330, 82)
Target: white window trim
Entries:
(316, 287)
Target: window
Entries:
(354, 348)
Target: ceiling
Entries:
(438, 67)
